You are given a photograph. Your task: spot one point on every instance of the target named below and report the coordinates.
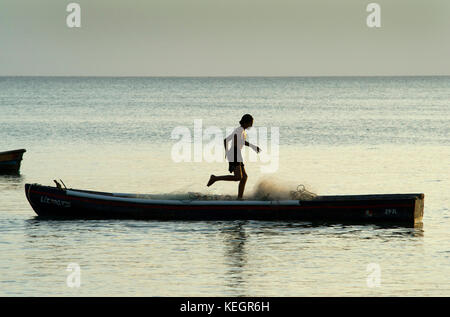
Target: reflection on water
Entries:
(229, 258)
(11, 181)
(233, 232)
(234, 237)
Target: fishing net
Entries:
(265, 190)
(302, 193)
(262, 193)
(201, 196)
(272, 189)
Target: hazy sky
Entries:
(224, 38)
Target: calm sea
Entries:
(336, 135)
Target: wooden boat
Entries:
(57, 202)
(10, 161)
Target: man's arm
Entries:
(254, 147)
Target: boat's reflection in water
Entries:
(11, 181)
(234, 233)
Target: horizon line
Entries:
(219, 76)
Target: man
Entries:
(234, 155)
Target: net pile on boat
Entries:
(269, 189)
(201, 196)
(184, 196)
(302, 193)
(265, 190)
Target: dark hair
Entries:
(246, 118)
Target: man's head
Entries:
(246, 121)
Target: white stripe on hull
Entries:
(184, 202)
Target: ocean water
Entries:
(349, 135)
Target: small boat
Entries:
(59, 202)
(10, 161)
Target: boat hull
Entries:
(10, 161)
(51, 202)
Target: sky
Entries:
(224, 38)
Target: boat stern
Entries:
(418, 208)
(10, 161)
